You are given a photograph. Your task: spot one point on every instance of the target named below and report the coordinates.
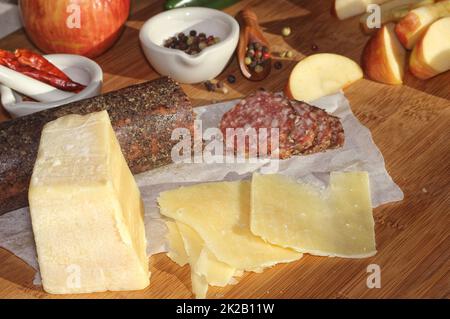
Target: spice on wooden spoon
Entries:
(253, 52)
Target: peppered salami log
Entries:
(143, 117)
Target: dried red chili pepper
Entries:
(6, 55)
(39, 68)
(38, 62)
(48, 78)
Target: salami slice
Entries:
(304, 132)
(262, 110)
(303, 128)
(337, 137)
(323, 132)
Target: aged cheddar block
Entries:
(86, 210)
(334, 222)
(220, 214)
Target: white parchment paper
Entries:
(359, 153)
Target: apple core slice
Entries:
(321, 74)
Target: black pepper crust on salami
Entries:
(143, 117)
(303, 128)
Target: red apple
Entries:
(85, 27)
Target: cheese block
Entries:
(176, 250)
(220, 214)
(334, 222)
(86, 210)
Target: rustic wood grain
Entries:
(409, 123)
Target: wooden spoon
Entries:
(251, 32)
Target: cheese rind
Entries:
(220, 213)
(336, 222)
(86, 210)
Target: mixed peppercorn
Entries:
(216, 86)
(191, 43)
(256, 56)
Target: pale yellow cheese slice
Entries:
(193, 246)
(205, 268)
(334, 222)
(86, 210)
(220, 214)
(199, 285)
(176, 246)
(216, 272)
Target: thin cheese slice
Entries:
(205, 268)
(199, 285)
(216, 272)
(176, 246)
(220, 213)
(336, 222)
(213, 272)
(193, 246)
(86, 210)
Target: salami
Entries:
(263, 110)
(303, 128)
(337, 137)
(323, 134)
(143, 117)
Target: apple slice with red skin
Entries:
(411, 27)
(383, 57)
(431, 54)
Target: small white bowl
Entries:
(77, 67)
(181, 66)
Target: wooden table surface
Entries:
(409, 123)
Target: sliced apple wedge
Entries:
(431, 54)
(391, 11)
(410, 28)
(383, 58)
(344, 9)
(321, 74)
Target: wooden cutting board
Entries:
(410, 124)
